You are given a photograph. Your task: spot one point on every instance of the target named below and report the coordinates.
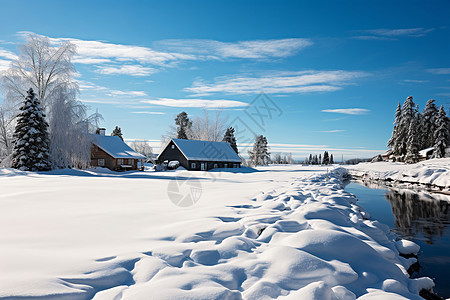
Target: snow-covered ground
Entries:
(433, 173)
(280, 231)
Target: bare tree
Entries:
(48, 69)
(7, 123)
(42, 67)
(142, 147)
(208, 129)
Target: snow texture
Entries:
(273, 232)
(432, 173)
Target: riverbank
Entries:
(431, 175)
(287, 232)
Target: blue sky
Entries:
(335, 69)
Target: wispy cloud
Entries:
(256, 49)
(7, 54)
(196, 103)
(414, 81)
(347, 111)
(148, 112)
(439, 71)
(4, 64)
(134, 70)
(333, 131)
(279, 82)
(389, 34)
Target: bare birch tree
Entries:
(48, 69)
(206, 128)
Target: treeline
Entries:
(318, 160)
(414, 131)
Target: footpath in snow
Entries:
(279, 232)
(434, 173)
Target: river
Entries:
(421, 217)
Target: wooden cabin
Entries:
(113, 153)
(200, 155)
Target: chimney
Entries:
(100, 131)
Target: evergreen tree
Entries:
(231, 139)
(331, 159)
(412, 145)
(428, 124)
(326, 158)
(184, 125)
(31, 145)
(320, 159)
(259, 155)
(409, 113)
(117, 132)
(392, 143)
(310, 160)
(441, 134)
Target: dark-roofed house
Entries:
(113, 153)
(200, 155)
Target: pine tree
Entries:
(428, 124)
(392, 143)
(412, 145)
(259, 155)
(117, 132)
(331, 159)
(441, 134)
(31, 145)
(184, 125)
(231, 139)
(409, 112)
(310, 160)
(326, 158)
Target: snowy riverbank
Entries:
(431, 174)
(279, 231)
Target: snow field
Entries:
(434, 172)
(282, 232)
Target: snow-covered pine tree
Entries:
(441, 134)
(117, 132)
(392, 143)
(412, 144)
(259, 155)
(331, 159)
(231, 139)
(31, 145)
(409, 112)
(428, 124)
(310, 160)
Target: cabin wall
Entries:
(170, 154)
(110, 162)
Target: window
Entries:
(173, 146)
(225, 166)
(101, 162)
(193, 165)
(120, 161)
(125, 161)
(216, 166)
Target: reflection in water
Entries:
(418, 213)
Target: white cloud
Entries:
(127, 93)
(148, 112)
(4, 64)
(333, 131)
(196, 103)
(390, 34)
(90, 60)
(256, 49)
(7, 54)
(439, 71)
(348, 111)
(281, 82)
(134, 70)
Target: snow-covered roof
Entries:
(115, 147)
(424, 152)
(206, 150)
